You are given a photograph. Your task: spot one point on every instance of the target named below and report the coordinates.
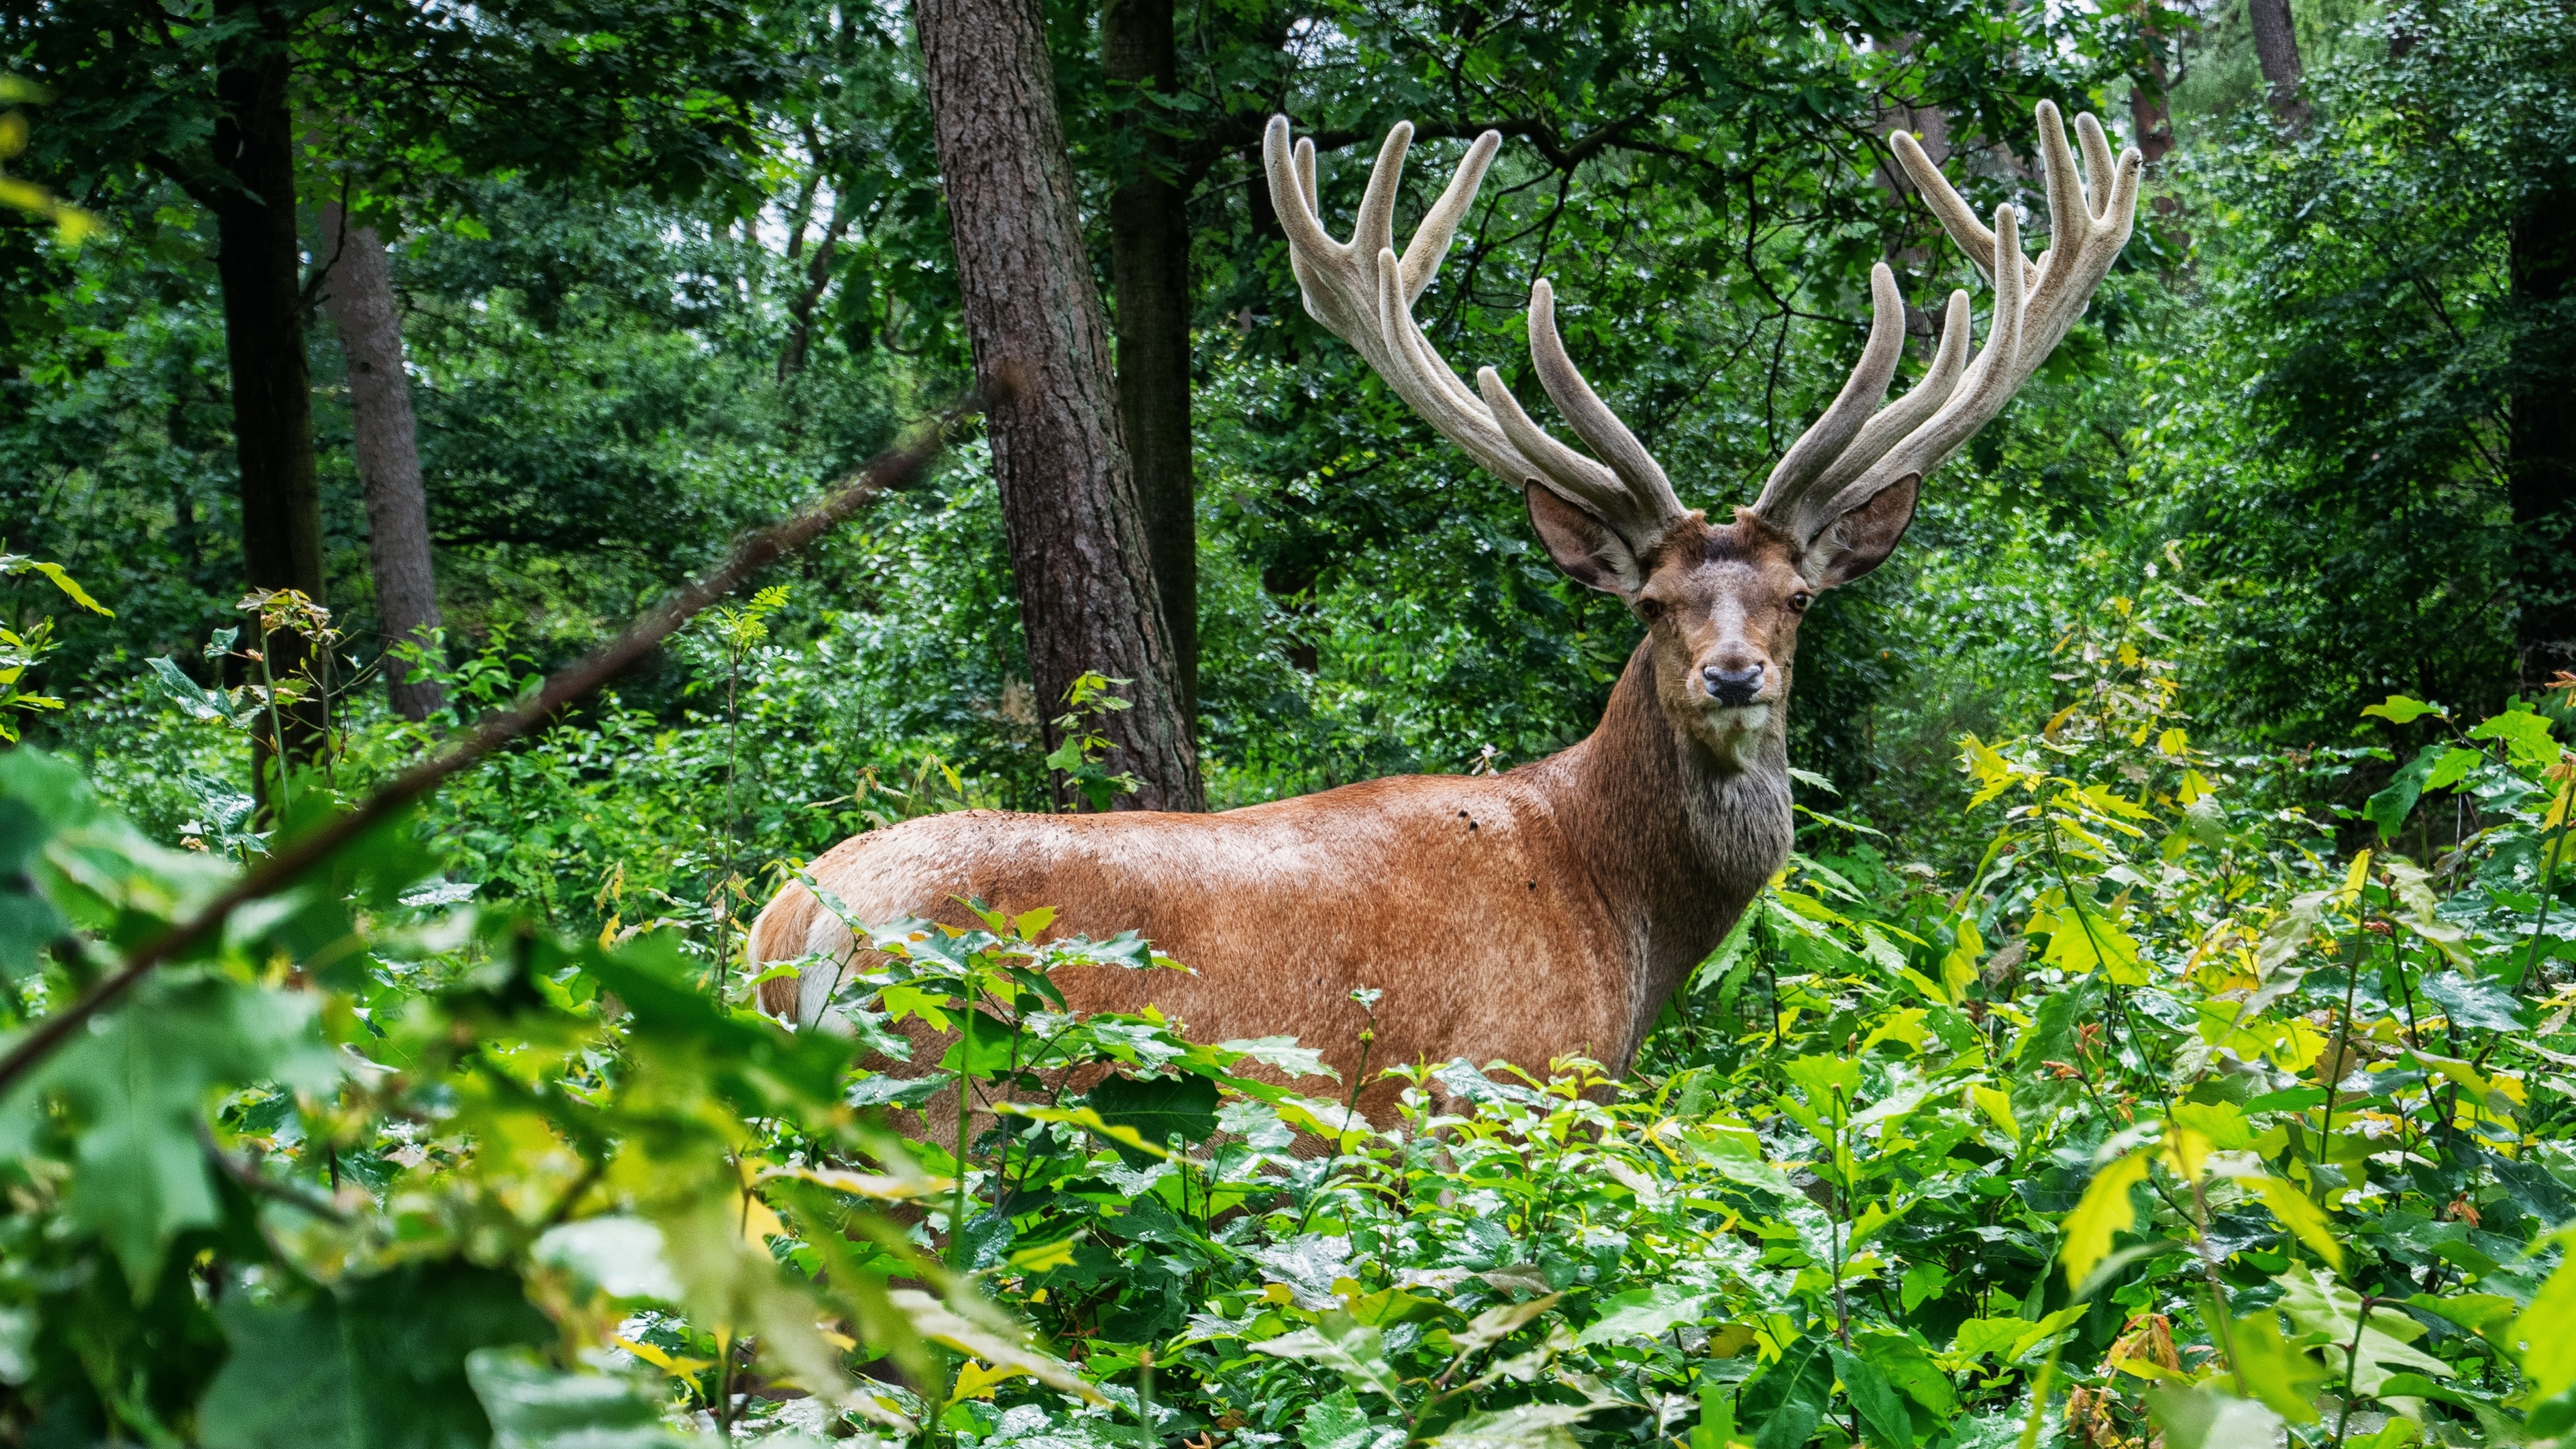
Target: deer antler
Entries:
(1365, 293)
(1849, 456)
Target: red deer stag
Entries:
(1552, 909)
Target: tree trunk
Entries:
(2276, 48)
(1077, 538)
(359, 294)
(818, 280)
(2150, 108)
(259, 267)
(2541, 450)
(1149, 251)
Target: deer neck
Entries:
(1676, 839)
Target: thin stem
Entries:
(965, 1116)
(2343, 1037)
(2222, 1329)
(2351, 1362)
(2548, 873)
(1834, 1225)
(277, 732)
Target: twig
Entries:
(889, 470)
(251, 1179)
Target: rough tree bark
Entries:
(358, 292)
(2276, 49)
(2541, 448)
(1149, 251)
(259, 265)
(1077, 539)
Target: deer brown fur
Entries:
(1551, 910)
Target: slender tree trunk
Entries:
(2541, 451)
(818, 280)
(1077, 537)
(1149, 252)
(2276, 48)
(359, 295)
(259, 266)
(2150, 108)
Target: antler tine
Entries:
(1365, 293)
(2098, 161)
(2036, 304)
(1956, 218)
(1430, 244)
(1373, 229)
(1908, 412)
(1590, 417)
(1832, 433)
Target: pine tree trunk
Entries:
(259, 267)
(1077, 539)
(359, 295)
(2541, 449)
(1149, 251)
(2276, 49)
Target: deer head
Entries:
(1721, 603)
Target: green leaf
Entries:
(2480, 1002)
(2104, 1209)
(2301, 1216)
(1336, 1421)
(1345, 1345)
(2082, 941)
(380, 1365)
(1884, 1422)
(1785, 1404)
(2205, 1418)
(2389, 808)
(1642, 1313)
(1498, 1323)
(2275, 1371)
(1908, 1366)
(134, 1089)
(2453, 768)
(2546, 1334)
(2401, 710)
(1158, 1109)
(2317, 1304)
(532, 1406)
(620, 1256)
(63, 581)
(1823, 1078)
(2525, 734)
(1281, 1053)
(1524, 1426)
(195, 699)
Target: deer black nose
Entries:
(1732, 686)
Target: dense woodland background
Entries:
(667, 293)
(2145, 1041)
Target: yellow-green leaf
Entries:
(2303, 1218)
(2105, 1209)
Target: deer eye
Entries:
(1650, 609)
(1800, 600)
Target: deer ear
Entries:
(1581, 544)
(1863, 537)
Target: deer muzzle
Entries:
(1734, 686)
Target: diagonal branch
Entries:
(889, 471)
